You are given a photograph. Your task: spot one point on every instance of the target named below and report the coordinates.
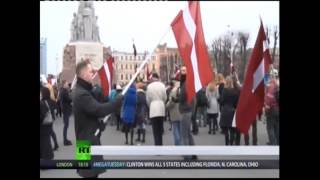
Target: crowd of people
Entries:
(150, 103)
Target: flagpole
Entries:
(134, 77)
(74, 81)
(143, 63)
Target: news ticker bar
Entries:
(160, 164)
(184, 150)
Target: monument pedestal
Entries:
(75, 52)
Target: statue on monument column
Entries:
(80, 28)
(87, 22)
(84, 24)
(95, 33)
(74, 28)
(81, 6)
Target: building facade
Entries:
(164, 61)
(126, 64)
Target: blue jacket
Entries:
(129, 106)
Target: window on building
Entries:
(130, 76)
(126, 76)
(126, 66)
(121, 77)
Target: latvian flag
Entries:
(106, 74)
(188, 32)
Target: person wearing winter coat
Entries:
(229, 100)
(156, 97)
(129, 112)
(173, 108)
(212, 95)
(142, 110)
(87, 111)
(47, 116)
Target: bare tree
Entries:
(216, 51)
(243, 42)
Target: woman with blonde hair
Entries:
(229, 100)
(212, 95)
(220, 83)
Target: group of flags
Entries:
(188, 32)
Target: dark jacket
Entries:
(184, 106)
(46, 151)
(87, 111)
(65, 101)
(142, 106)
(220, 89)
(118, 111)
(229, 101)
(44, 109)
(97, 93)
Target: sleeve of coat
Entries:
(92, 107)
(183, 95)
(164, 95)
(148, 98)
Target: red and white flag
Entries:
(105, 74)
(252, 94)
(188, 32)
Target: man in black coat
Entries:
(87, 111)
(66, 110)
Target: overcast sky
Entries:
(147, 22)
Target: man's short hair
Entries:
(155, 75)
(81, 65)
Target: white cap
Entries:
(118, 87)
(274, 72)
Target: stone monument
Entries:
(84, 42)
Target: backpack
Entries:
(48, 117)
(202, 98)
